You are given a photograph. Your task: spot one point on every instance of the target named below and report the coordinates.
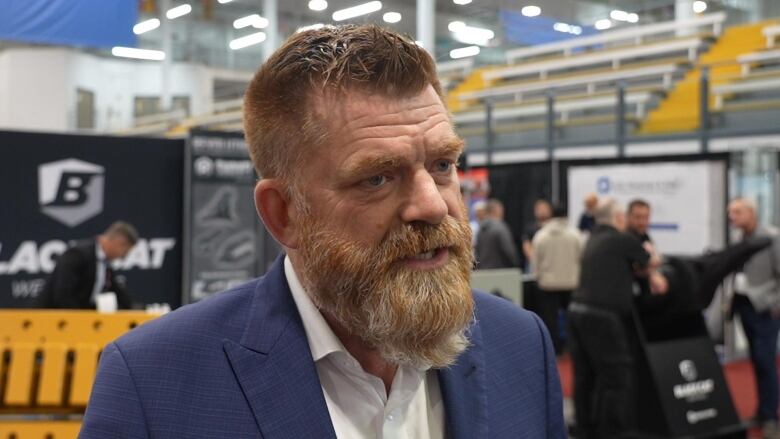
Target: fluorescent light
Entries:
(604, 23)
(567, 28)
(253, 20)
(146, 26)
(633, 17)
(618, 15)
(392, 17)
(131, 52)
(357, 11)
(318, 5)
(249, 40)
(310, 27)
(456, 26)
(469, 34)
(178, 11)
(224, 1)
(464, 52)
(461, 2)
(699, 6)
(531, 11)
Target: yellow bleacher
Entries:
(49, 362)
(680, 110)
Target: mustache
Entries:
(411, 239)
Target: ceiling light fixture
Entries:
(249, 40)
(699, 6)
(464, 52)
(178, 11)
(531, 11)
(357, 11)
(254, 20)
(567, 28)
(603, 24)
(318, 5)
(461, 2)
(391, 17)
(146, 26)
(470, 34)
(132, 52)
(618, 15)
(222, 2)
(310, 27)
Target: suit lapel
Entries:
(463, 388)
(274, 367)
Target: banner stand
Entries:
(682, 392)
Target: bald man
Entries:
(757, 302)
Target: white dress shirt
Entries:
(358, 404)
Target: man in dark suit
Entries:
(84, 270)
(367, 327)
(495, 246)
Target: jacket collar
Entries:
(276, 372)
(274, 367)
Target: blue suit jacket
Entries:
(239, 366)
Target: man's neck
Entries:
(369, 358)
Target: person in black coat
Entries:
(84, 270)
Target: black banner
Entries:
(59, 188)
(226, 242)
(691, 388)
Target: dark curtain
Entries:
(518, 186)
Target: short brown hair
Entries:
(280, 119)
(638, 202)
(123, 229)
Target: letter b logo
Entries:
(70, 191)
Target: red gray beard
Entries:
(410, 316)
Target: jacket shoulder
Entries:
(499, 318)
(210, 321)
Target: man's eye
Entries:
(442, 166)
(376, 181)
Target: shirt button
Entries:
(391, 417)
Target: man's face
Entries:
(591, 201)
(116, 247)
(384, 237)
(542, 211)
(741, 216)
(639, 219)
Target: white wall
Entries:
(38, 88)
(33, 89)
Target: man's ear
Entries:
(273, 207)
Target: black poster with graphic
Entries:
(56, 188)
(226, 242)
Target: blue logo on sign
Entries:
(603, 185)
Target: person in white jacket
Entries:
(557, 250)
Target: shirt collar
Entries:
(322, 340)
(101, 255)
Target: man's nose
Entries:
(425, 201)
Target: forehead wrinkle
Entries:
(402, 117)
(389, 131)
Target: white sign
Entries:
(687, 199)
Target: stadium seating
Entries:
(660, 65)
(49, 362)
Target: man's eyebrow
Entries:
(451, 145)
(371, 164)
